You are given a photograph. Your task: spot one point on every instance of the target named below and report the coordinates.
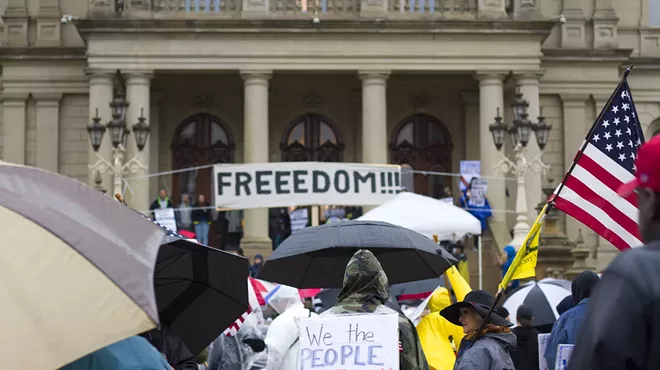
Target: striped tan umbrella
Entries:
(76, 269)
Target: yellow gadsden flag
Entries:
(524, 265)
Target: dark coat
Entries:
(201, 215)
(622, 325)
(526, 355)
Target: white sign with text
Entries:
(287, 184)
(543, 345)
(349, 342)
(166, 217)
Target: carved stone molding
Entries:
(312, 99)
(203, 100)
(420, 100)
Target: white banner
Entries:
(349, 342)
(286, 184)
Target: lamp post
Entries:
(520, 132)
(118, 131)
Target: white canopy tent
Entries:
(427, 216)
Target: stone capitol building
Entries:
(411, 82)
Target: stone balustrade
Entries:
(283, 9)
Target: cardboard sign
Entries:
(478, 193)
(543, 344)
(349, 342)
(263, 185)
(468, 170)
(165, 217)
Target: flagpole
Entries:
(551, 202)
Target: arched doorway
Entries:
(311, 138)
(200, 140)
(423, 142)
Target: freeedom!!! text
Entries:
(303, 182)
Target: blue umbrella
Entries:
(133, 353)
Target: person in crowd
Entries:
(503, 312)
(506, 259)
(243, 351)
(163, 201)
(184, 219)
(282, 338)
(565, 305)
(439, 337)
(526, 355)
(489, 349)
(622, 326)
(366, 290)
(173, 348)
(133, 353)
(201, 217)
(566, 329)
(234, 226)
(257, 265)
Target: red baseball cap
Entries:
(647, 173)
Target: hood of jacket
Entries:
(284, 298)
(439, 300)
(506, 340)
(365, 283)
(583, 285)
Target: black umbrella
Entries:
(200, 291)
(329, 298)
(416, 289)
(316, 257)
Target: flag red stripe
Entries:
(594, 198)
(604, 176)
(587, 219)
(412, 297)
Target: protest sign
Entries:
(263, 185)
(165, 217)
(349, 342)
(478, 192)
(543, 344)
(468, 170)
(564, 352)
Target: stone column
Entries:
(16, 23)
(48, 122)
(605, 30)
(100, 96)
(528, 84)
(139, 99)
(49, 24)
(255, 148)
(575, 127)
(154, 143)
(374, 117)
(573, 31)
(491, 97)
(13, 118)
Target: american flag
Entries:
(606, 161)
(253, 302)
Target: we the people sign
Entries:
(263, 185)
(349, 342)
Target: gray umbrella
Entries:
(316, 257)
(75, 264)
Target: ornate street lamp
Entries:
(498, 130)
(520, 133)
(141, 131)
(542, 132)
(95, 130)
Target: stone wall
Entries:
(74, 142)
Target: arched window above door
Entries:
(311, 137)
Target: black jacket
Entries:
(622, 327)
(526, 355)
(176, 353)
(201, 214)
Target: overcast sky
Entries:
(655, 13)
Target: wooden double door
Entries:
(199, 142)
